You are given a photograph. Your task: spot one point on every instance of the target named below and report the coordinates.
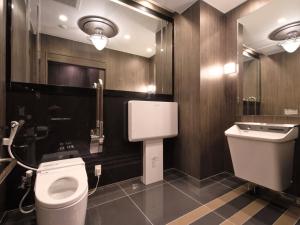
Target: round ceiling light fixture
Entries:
(289, 35)
(99, 30)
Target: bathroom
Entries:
(134, 112)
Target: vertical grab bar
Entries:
(97, 135)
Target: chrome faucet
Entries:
(97, 134)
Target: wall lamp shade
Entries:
(99, 41)
(291, 45)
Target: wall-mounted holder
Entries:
(150, 122)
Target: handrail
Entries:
(8, 168)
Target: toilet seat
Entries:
(60, 187)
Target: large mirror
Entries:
(49, 45)
(269, 59)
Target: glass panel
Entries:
(269, 69)
(138, 58)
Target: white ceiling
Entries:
(259, 24)
(181, 5)
(140, 27)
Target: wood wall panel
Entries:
(163, 60)
(199, 90)
(212, 92)
(123, 71)
(187, 89)
(280, 83)
(2, 98)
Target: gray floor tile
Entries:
(163, 204)
(118, 212)
(173, 174)
(136, 185)
(233, 182)
(221, 176)
(104, 194)
(17, 218)
(203, 191)
(210, 219)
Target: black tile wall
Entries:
(55, 116)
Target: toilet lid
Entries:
(61, 188)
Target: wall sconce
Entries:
(230, 68)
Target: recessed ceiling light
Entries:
(281, 20)
(63, 18)
(149, 50)
(127, 36)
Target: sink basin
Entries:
(263, 153)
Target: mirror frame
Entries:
(138, 4)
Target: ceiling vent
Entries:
(71, 3)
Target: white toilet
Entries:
(61, 191)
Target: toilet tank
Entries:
(152, 120)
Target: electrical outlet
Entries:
(98, 170)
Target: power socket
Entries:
(98, 170)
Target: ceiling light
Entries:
(99, 30)
(127, 36)
(291, 44)
(99, 41)
(149, 50)
(63, 18)
(281, 20)
(288, 35)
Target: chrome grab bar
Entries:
(97, 135)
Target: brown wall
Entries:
(199, 90)
(280, 83)
(2, 96)
(187, 89)
(163, 61)
(123, 71)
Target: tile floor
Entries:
(179, 199)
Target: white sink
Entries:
(263, 153)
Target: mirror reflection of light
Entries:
(127, 36)
(213, 72)
(150, 89)
(230, 68)
(63, 18)
(281, 20)
(141, 9)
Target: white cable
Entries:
(21, 203)
(95, 189)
